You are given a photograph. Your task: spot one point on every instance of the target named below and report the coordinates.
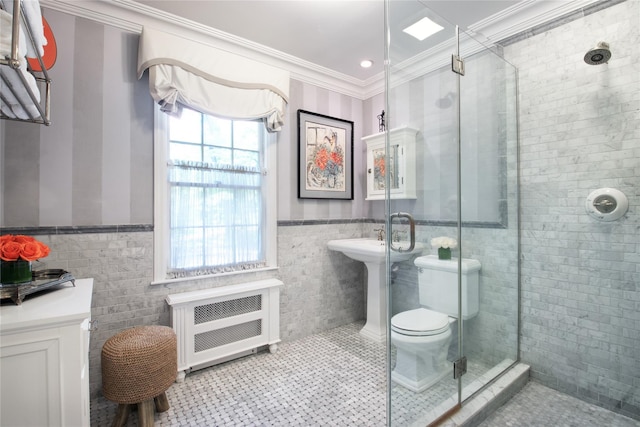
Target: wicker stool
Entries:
(138, 365)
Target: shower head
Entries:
(598, 55)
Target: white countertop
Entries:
(49, 309)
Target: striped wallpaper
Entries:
(94, 165)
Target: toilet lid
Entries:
(420, 321)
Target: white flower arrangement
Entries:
(444, 242)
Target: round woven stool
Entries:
(138, 365)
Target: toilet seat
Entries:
(420, 322)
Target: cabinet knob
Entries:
(369, 170)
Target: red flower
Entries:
(10, 251)
(336, 158)
(23, 239)
(13, 248)
(379, 163)
(322, 157)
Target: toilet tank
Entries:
(438, 285)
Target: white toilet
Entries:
(422, 336)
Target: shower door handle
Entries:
(412, 231)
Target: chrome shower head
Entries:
(598, 55)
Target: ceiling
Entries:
(335, 35)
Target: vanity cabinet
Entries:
(44, 358)
(400, 164)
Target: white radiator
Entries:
(220, 324)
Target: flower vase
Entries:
(12, 272)
(444, 253)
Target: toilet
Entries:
(422, 336)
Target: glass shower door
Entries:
(422, 101)
(489, 211)
(458, 100)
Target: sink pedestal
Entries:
(373, 254)
(376, 326)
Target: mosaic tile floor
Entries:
(539, 406)
(335, 378)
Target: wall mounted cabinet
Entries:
(400, 165)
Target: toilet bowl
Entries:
(422, 336)
(422, 339)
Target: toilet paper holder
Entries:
(606, 204)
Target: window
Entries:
(215, 200)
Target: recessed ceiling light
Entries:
(423, 29)
(367, 63)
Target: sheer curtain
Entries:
(220, 205)
(218, 215)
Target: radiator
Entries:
(216, 325)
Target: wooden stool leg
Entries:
(122, 415)
(145, 413)
(162, 403)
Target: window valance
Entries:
(185, 72)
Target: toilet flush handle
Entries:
(412, 231)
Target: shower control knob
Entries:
(606, 204)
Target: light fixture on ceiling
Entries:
(423, 29)
(366, 63)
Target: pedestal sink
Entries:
(372, 252)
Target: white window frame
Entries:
(161, 205)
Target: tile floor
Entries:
(335, 378)
(539, 406)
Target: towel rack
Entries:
(13, 63)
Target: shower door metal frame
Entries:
(459, 73)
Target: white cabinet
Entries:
(44, 358)
(400, 164)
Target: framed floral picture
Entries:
(325, 157)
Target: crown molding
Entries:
(485, 34)
(133, 16)
(374, 85)
(524, 16)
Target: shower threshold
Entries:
(482, 404)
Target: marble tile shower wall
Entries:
(492, 335)
(322, 289)
(579, 131)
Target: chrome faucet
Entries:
(380, 233)
(395, 235)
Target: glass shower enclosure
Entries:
(452, 323)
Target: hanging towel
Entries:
(6, 33)
(19, 100)
(33, 15)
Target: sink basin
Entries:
(372, 252)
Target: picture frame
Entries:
(325, 157)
